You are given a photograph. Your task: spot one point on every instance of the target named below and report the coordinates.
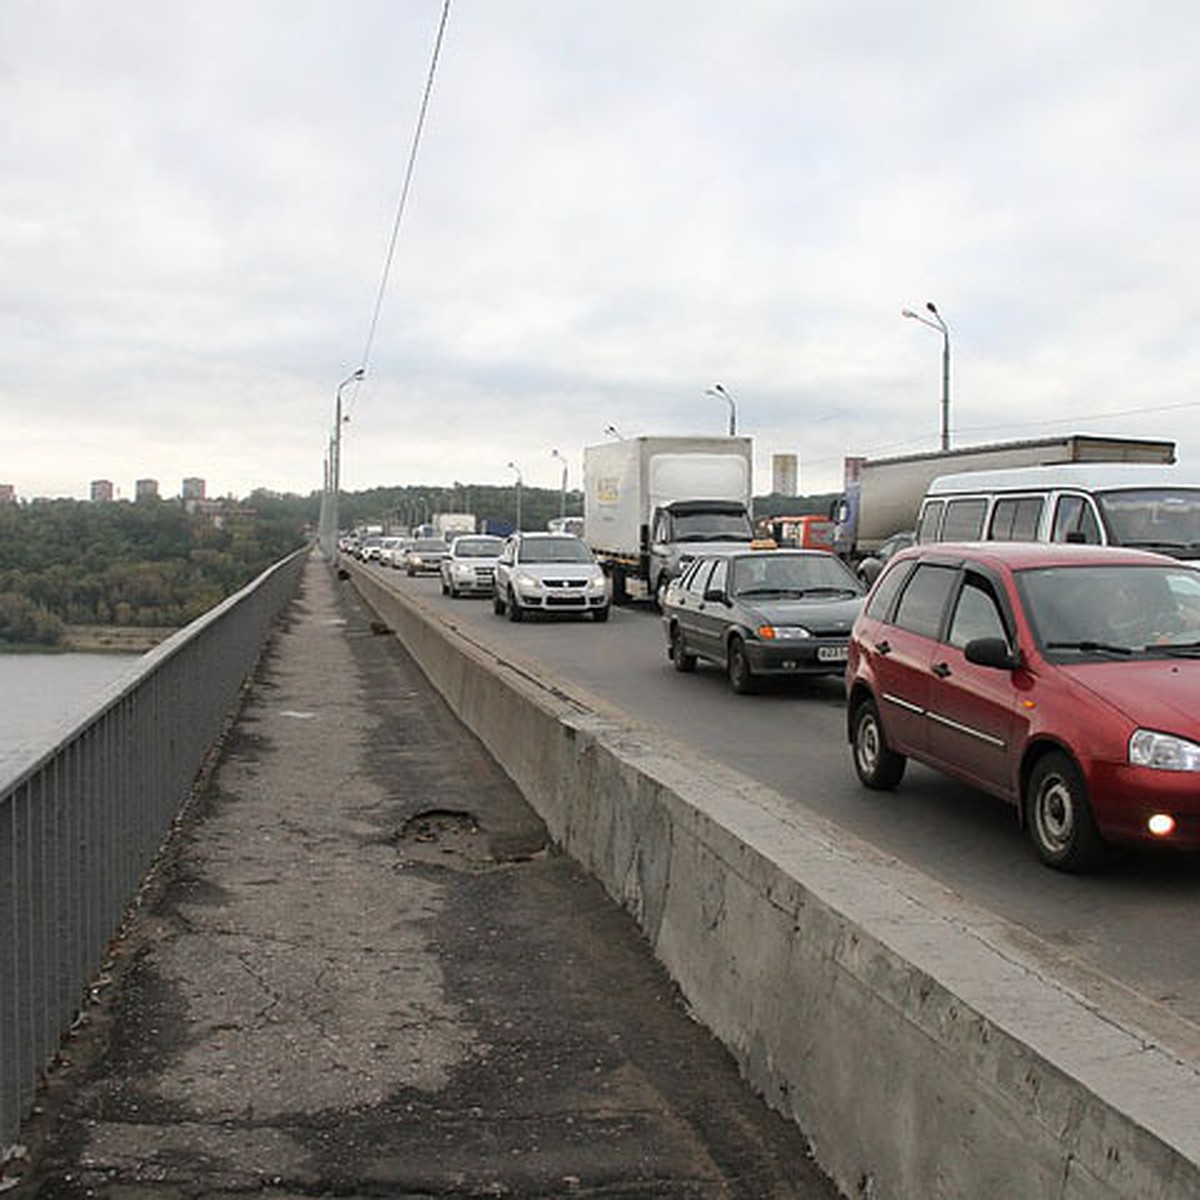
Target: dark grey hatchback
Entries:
(763, 612)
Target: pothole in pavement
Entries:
(444, 837)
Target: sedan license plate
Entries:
(832, 653)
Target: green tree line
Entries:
(149, 563)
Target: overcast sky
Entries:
(615, 205)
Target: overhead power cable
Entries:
(402, 203)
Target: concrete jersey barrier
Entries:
(924, 1045)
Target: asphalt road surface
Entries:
(1133, 922)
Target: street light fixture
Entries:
(721, 394)
(940, 325)
(512, 466)
(562, 492)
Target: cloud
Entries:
(613, 207)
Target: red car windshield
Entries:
(1098, 611)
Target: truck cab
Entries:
(680, 531)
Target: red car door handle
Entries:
(942, 670)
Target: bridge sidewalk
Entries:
(360, 969)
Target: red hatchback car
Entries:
(1063, 678)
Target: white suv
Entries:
(549, 572)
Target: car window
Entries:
(476, 548)
(889, 584)
(1016, 519)
(964, 520)
(976, 614)
(764, 574)
(923, 600)
(566, 549)
(697, 577)
(1075, 521)
(931, 516)
(720, 573)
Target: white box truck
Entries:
(652, 503)
(449, 525)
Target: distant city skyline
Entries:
(101, 491)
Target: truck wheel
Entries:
(741, 677)
(679, 656)
(620, 594)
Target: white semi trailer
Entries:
(883, 495)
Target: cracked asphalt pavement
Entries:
(360, 969)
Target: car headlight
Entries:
(596, 583)
(782, 633)
(463, 569)
(530, 582)
(1163, 751)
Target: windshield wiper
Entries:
(1170, 547)
(1091, 647)
(827, 590)
(1185, 649)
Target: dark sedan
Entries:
(762, 613)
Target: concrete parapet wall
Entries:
(920, 1042)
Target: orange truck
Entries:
(809, 532)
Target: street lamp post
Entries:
(562, 491)
(333, 473)
(512, 466)
(335, 469)
(940, 325)
(721, 394)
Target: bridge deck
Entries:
(361, 968)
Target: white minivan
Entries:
(1149, 505)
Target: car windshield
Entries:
(1097, 611)
(554, 550)
(813, 575)
(430, 546)
(477, 547)
(1165, 519)
(712, 526)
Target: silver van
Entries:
(1148, 505)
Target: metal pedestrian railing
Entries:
(82, 822)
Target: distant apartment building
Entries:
(192, 489)
(146, 489)
(102, 491)
(785, 475)
(8, 493)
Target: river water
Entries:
(40, 694)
